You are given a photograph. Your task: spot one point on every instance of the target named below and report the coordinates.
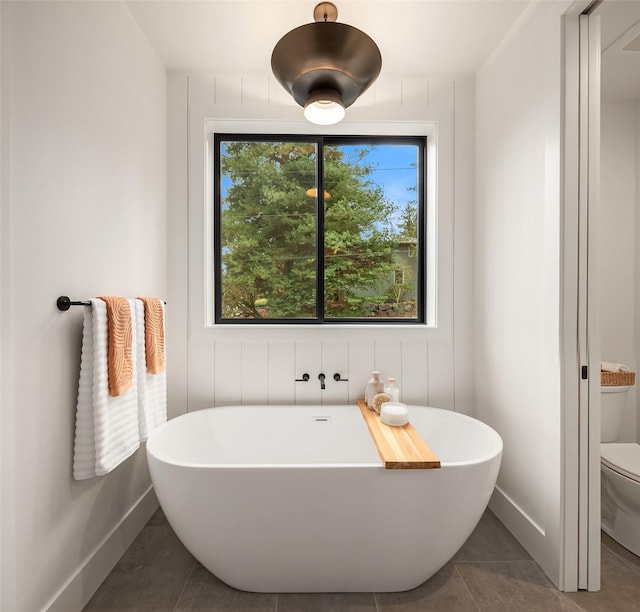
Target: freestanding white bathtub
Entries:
(295, 499)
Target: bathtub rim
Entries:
(480, 459)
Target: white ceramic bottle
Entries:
(374, 386)
(392, 390)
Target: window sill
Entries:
(335, 332)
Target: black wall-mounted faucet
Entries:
(321, 378)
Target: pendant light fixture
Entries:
(326, 65)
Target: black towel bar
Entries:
(64, 303)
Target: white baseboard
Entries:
(531, 535)
(79, 589)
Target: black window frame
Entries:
(320, 141)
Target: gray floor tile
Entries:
(443, 592)
(326, 602)
(204, 591)
(631, 559)
(150, 575)
(158, 518)
(511, 586)
(491, 541)
(620, 588)
(490, 573)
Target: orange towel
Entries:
(119, 345)
(153, 334)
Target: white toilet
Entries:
(620, 468)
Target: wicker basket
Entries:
(615, 379)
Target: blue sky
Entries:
(395, 171)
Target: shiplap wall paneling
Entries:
(282, 373)
(368, 98)
(201, 89)
(278, 95)
(441, 93)
(255, 90)
(335, 359)
(463, 248)
(361, 364)
(388, 360)
(388, 93)
(308, 360)
(255, 373)
(441, 378)
(415, 373)
(201, 371)
(415, 93)
(228, 373)
(228, 90)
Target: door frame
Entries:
(581, 355)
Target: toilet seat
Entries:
(622, 457)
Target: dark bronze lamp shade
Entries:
(326, 64)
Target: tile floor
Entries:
(490, 573)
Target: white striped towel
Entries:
(107, 429)
(152, 388)
(608, 366)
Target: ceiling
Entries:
(620, 24)
(416, 37)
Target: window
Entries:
(317, 229)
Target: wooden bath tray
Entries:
(400, 448)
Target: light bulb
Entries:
(324, 107)
(324, 112)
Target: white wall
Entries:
(84, 98)
(637, 276)
(6, 479)
(617, 239)
(517, 267)
(234, 366)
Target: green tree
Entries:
(359, 243)
(408, 223)
(269, 231)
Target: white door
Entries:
(581, 359)
(588, 326)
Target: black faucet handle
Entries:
(305, 378)
(338, 378)
(321, 378)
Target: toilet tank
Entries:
(613, 403)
